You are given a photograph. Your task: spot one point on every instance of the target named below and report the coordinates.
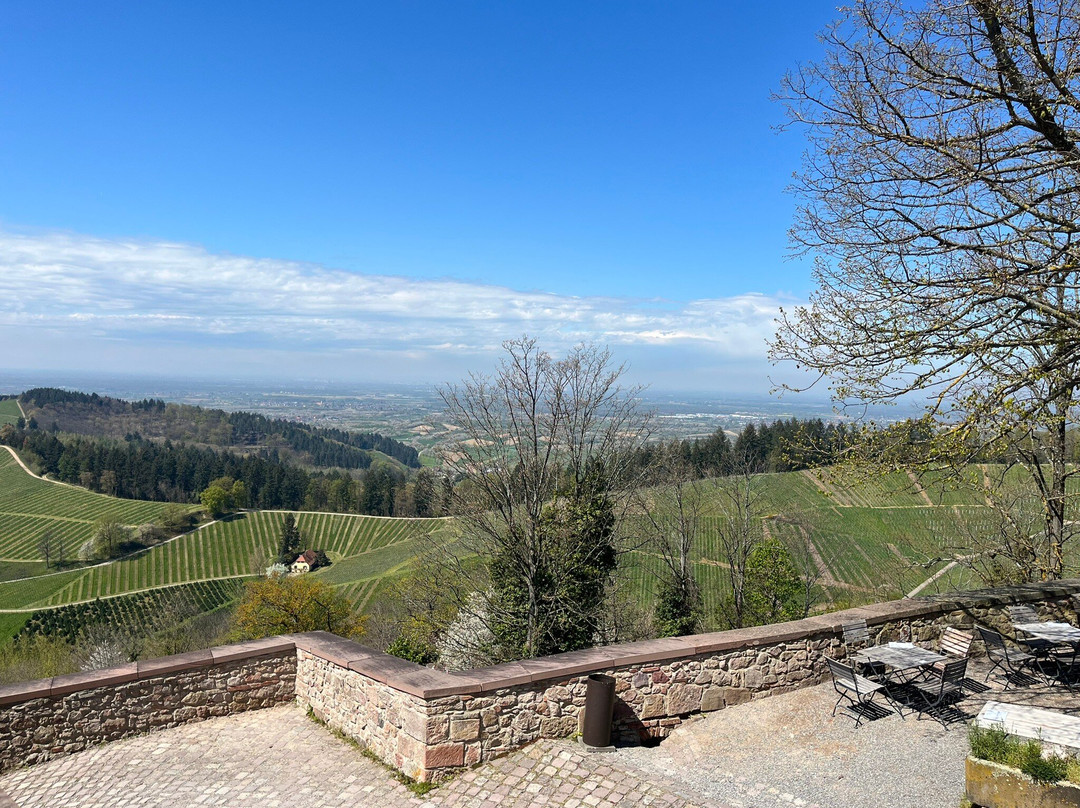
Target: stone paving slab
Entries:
(279, 758)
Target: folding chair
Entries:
(857, 690)
(1034, 645)
(941, 691)
(1009, 662)
(857, 638)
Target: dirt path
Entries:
(826, 488)
(26, 468)
(919, 488)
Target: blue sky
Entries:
(387, 190)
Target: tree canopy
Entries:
(940, 196)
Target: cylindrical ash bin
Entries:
(599, 707)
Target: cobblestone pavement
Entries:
(787, 750)
(279, 758)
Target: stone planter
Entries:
(992, 785)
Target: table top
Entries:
(899, 655)
(1053, 632)
(1050, 727)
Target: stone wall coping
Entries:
(253, 648)
(428, 683)
(87, 680)
(149, 668)
(25, 691)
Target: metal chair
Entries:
(857, 690)
(1034, 645)
(857, 638)
(1010, 662)
(939, 693)
(955, 644)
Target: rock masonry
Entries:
(428, 723)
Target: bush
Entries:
(996, 746)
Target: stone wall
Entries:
(52, 717)
(427, 722)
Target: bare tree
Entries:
(545, 454)
(940, 195)
(741, 504)
(49, 546)
(673, 513)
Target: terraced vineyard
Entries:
(863, 541)
(365, 547)
(28, 506)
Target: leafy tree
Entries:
(677, 610)
(283, 605)
(289, 540)
(939, 194)
(215, 500)
(774, 588)
(238, 493)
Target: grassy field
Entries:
(28, 506)
(9, 411)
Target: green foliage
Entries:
(996, 746)
(408, 647)
(289, 540)
(677, 610)
(216, 500)
(285, 605)
(582, 557)
(35, 657)
(774, 588)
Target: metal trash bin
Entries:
(599, 708)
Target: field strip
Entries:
(919, 488)
(52, 516)
(354, 515)
(121, 594)
(118, 558)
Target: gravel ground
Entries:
(787, 750)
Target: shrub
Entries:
(996, 746)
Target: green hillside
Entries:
(28, 506)
(9, 411)
(863, 539)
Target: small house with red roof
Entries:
(304, 562)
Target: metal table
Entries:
(905, 661)
(1059, 634)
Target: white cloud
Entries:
(157, 293)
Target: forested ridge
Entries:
(105, 417)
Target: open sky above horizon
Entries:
(385, 191)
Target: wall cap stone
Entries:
(25, 691)
(149, 668)
(88, 680)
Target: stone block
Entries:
(443, 755)
(712, 699)
(683, 698)
(652, 706)
(464, 729)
